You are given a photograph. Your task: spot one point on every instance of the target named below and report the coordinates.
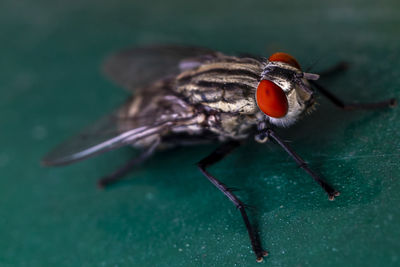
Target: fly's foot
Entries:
(104, 182)
(392, 102)
(264, 253)
(333, 195)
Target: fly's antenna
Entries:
(310, 76)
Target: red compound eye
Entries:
(285, 58)
(271, 99)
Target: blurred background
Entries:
(166, 213)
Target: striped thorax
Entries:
(232, 91)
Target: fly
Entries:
(187, 96)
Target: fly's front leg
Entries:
(214, 157)
(335, 69)
(353, 106)
(123, 170)
(269, 133)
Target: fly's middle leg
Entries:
(214, 157)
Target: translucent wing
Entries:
(100, 137)
(157, 111)
(144, 117)
(138, 67)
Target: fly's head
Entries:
(283, 93)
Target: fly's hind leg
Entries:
(127, 167)
(214, 157)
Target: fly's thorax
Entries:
(223, 84)
(296, 89)
(230, 125)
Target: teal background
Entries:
(166, 213)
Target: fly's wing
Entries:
(150, 113)
(138, 67)
(144, 116)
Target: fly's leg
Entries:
(123, 170)
(335, 69)
(353, 106)
(214, 157)
(332, 193)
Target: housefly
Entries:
(188, 95)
